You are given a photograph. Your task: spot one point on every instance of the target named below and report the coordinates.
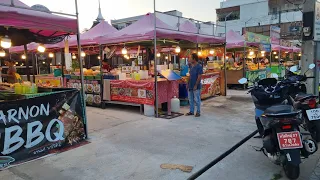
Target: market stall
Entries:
(35, 123)
(70, 66)
(247, 56)
(134, 87)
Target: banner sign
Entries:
(92, 90)
(275, 34)
(254, 76)
(265, 47)
(210, 85)
(257, 38)
(32, 128)
(139, 92)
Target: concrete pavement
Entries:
(127, 145)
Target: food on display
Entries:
(96, 88)
(97, 99)
(89, 88)
(90, 98)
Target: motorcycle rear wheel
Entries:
(291, 171)
(314, 128)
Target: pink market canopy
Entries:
(190, 27)
(276, 47)
(235, 40)
(143, 30)
(103, 28)
(39, 26)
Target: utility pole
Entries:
(310, 46)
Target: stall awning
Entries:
(144, 29)
(38, 23)
(101, 29)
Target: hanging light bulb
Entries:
(41, 48)
(277, 57)
(211, 51)
(178, 49)
(199, 53)
(167, 57)
(287, 52)
(6, 42)
(99, 57)
(50, 64)
(2, 53)
(263, 52)
(74, 56)
(124, 50)
(251, 53)
(274, 52)
(51, 55)
(83, 54)
(262, 55)
(23, 56)
(299, 54)
(158, 54)
(17, 63)
(43, 62)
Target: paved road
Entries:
(126, 145)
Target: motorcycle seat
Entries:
(301, 97)
(280, 111)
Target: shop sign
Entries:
(275, 34)
(32, 128)
(257, 38)
(286, 43)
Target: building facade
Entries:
(258, 15)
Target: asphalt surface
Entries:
(127, 145)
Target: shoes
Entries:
(197, 115)
(189, 114)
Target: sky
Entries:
(203, 10)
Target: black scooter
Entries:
(278, 124)
(307, 103)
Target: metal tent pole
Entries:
(81, 67)
(27, 61)
(155, 59)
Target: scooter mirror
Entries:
(294, 69)
(312, 66)
(243, 81)
(274, 75)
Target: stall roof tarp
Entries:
(42, 23)
(190, 27)
(235, 40)
(276, 47)
(103, 28)
(144, 29)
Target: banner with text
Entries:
(32, 128)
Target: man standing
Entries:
(194, 85)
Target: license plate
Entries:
(313, 114)
(289, 140)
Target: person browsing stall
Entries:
(194, 86)
(11, 73)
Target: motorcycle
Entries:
(278, 124)
(307, 103)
